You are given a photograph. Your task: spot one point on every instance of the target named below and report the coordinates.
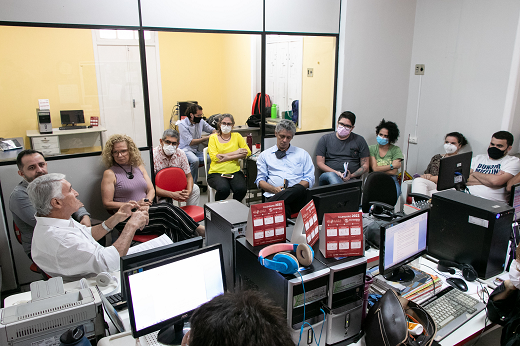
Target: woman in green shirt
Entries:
(385, 156)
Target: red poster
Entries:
(310, 222)
(266, 223)
(342, 235)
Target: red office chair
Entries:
(174, 179)
(34, 268)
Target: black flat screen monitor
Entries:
(454, 171)
(514, 199)
(162, 294)
(72, 117)
(336, 198)
(140, 258)
(402, 241)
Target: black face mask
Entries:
(496, 153)
(197, 120)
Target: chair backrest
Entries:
(17, 233)
(379, 187)
(171, 179)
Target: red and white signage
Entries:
(341, 235)
(266, 223)
(306, 228)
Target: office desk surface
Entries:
(58, 132)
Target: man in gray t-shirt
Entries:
(335, 149)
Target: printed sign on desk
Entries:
(341, 235)
(266, 223)
(306, 228)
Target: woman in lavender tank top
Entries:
(126, 180)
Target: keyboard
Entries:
(73, 127)
(450, 309)
(116, 300)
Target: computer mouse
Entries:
(458, 283)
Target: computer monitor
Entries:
(336, 198)
(141, 258)
(402, 241)
(162, 294)
(514, 199)
(72, 117)
(454, 171)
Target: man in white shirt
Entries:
(490, 172)
(66, 248)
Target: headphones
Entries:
(468, 272)
(284, 262)
(382, 211)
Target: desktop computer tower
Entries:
(225, 221)
(286, 291)
(345, 297)
(467, 229)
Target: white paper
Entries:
(44, 104)
(151, 244)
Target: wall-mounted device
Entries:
(44, 120)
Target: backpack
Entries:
(257, 104)
(214, 119)
(295, 106)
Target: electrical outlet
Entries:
(310, 72)
(412, 140)
(419, 69)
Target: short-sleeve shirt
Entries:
(189, 131)
(433, 166)
(393, 153)
(178, 159)
(484, 164)
(337, 151)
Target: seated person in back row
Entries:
(491, 172)
(66, 248)
(334, 149)
(31, 164)
(285, 162)
(169, 155)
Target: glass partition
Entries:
(73, 71)
(300, 75)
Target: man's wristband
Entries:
(105, 227)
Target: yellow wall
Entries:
(318, 91)
(213, 69)
(44, 63)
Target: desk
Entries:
(60, 141)
(10, 155)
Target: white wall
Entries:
(467, 47)
(374, 61)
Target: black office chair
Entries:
(379, 195)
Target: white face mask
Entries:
(225, 129)
(169, 150)
(450, 148)
(514, 274)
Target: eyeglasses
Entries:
(169, 142)
(347, 126)
(227, 124)
(121, 152)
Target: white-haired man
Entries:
(66, 248)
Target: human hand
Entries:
(85, 221)
(426, 176)
(145, 202)
(339, 174)
(186, 339)
(242, 151)
(220, 157)
(501, 173)
(276, 189)
(348, 176)
(139, 220)
(180, 196)
(126, 209)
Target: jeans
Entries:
(397, 186)
(195, 159)
(329, 178)
(224, 186)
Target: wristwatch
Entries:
(391, 166)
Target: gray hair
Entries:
(43, 189)
(286, 125)
(170, 133)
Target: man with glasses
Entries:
(285, 171)
(341, 149)
(168, 154)
(190, 129)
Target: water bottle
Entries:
(250, 141)
(74, 336)
(274, 111)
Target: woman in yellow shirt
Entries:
(225, 148)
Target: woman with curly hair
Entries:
(126, 180)
(385, 156)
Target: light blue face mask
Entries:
(382, 141)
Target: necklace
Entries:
(129, 175)
(226, 140)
